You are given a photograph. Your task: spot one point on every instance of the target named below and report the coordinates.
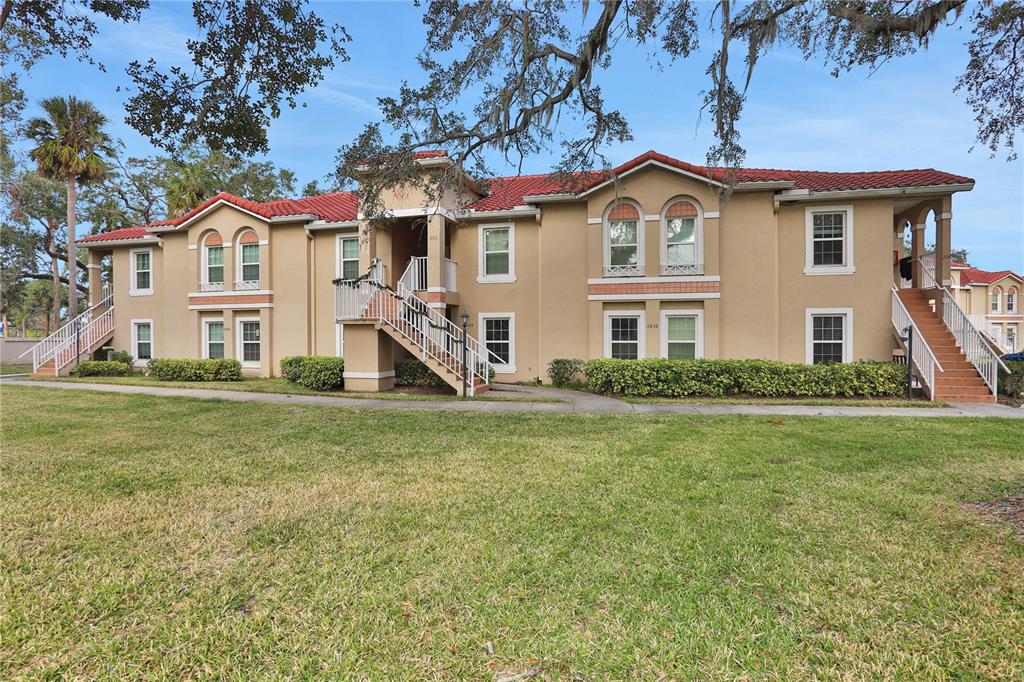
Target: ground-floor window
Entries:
(682, 334)
(142, 341)
(624, 334)
(214, 336)
(1011, 337)
(498, 334)
(829, 335)
(249, 342)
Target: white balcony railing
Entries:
(211, 286)
(247, 285)
(682, 269)
(631, 270)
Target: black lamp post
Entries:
(908, 338)
(465, 327)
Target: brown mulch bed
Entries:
(1007, 509)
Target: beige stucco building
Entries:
(656, 258)
(992, 299)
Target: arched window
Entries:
(1012, 295)
(248, 261)
(213, 263)
(623, 240)
(682, 234)
(995, 300)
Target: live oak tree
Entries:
(506, 78)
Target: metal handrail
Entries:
(901, 320)
(53, 344)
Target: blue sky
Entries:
(904, 115)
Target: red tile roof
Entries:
(975, 276)
(118, 235)
(509, 192)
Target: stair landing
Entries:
(960, 382)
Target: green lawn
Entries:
(809, 402)
(168, 538)
(277, 385)
(16, 369)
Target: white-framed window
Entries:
(248, 261)
(996, 299)
(1011, 301)
(142, 341)
(142, 272)
(829, 240)
(623, 240)
(348, 257)
(213, 263)
(498, 335)
(624, 334)
(248, 334)
(682, 237)
(213, 338)
(497, 253)
(1011, 337)
(829, 334)
(682, 334)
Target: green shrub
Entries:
(321, 373)
(122, 356)
(196, 370)
(101, 368)
(563, 371)
(291, 366)
(761, 378)
(1012, 384)
(412, 372)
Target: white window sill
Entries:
(504, 369)
(844, 270)
(496, 279)
(140, 292)
(250, 365)
(141, 364)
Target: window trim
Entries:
(509, 368)
(997, 292)
(338, 251)
(810, 314)
(239, 265)
(240, 342)
(136, 362)
(641, 240)
(641, 330)
(132, 290)
(683, 312)
(1016, 300)
(698, 234)
(206, 336)
(204, 265)
(483, 278)
(848, 235)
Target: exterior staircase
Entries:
(946, 369)
(79, 337)
(423, 331)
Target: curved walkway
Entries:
(577, 402)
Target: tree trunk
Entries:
(54, 315)
(72, 254)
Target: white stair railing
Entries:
(924, 359)
(437, 337)
(74, 333)
(972, 342)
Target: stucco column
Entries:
(95, 268)
(369, 359)
(375, 242)
(916, 251)
(943, 234)
(436, 247)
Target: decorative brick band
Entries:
(436, 297)
(229, 301)
(647, 288)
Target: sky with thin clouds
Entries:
(903, 115)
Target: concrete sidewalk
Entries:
(577, 402)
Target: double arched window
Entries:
(248, 267)
(682, 231)
(213, 263)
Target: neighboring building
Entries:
(992, 300)
(657, 258)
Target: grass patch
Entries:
(21, 368)
(143, 536)
(278, 385)
(810, 402)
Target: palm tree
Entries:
(70, 147)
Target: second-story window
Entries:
(1011, 301)
(623, 241)
(682, 227)
(249, 261)
(497, 253)
(213, 263)
(829, 248)
(142, 272)
(996, 299)
(348, 257)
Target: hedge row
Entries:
(762, 378)
(195, 370)
(315, 372)
(102, 368)
(1012, 384)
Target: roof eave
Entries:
(551, 198)
(798, 195)
(118, 242)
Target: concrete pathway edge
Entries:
(579, 403)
